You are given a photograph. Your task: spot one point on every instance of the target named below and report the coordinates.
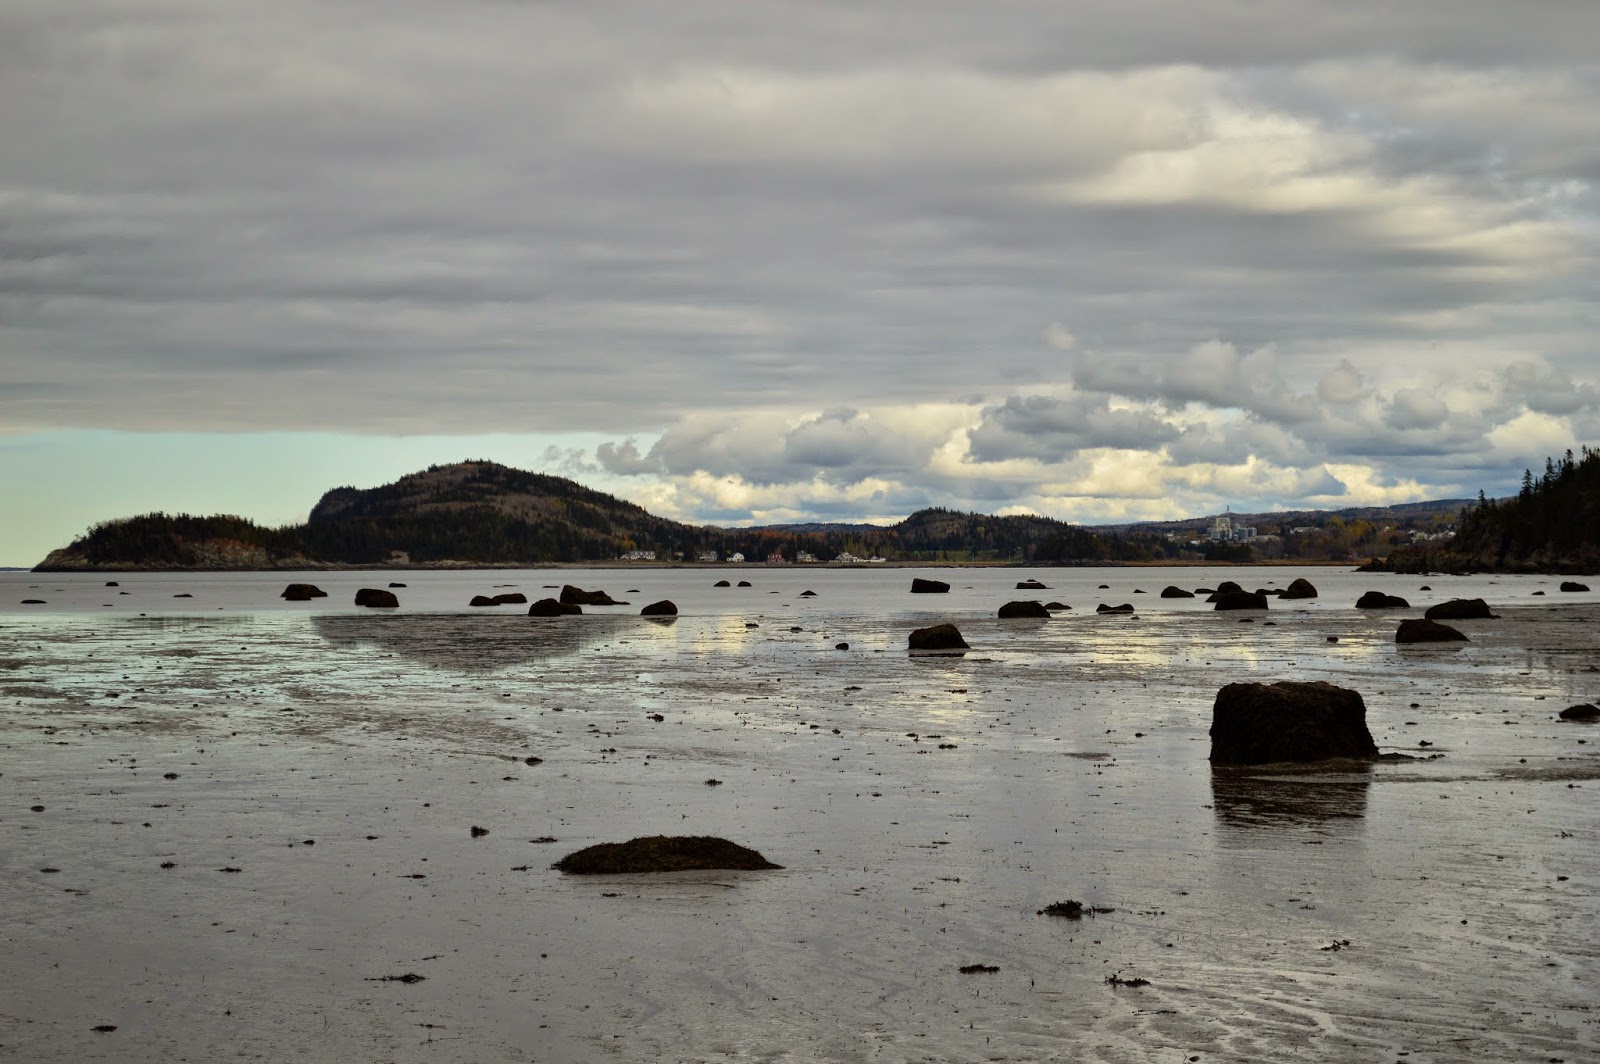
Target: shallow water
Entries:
(957, 797)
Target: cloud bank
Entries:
(824, 259)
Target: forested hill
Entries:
(482, 513)
(1551, 525)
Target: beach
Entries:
(234, 827)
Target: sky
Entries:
(743, 261)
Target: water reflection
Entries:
(1246, 799)
(480, 643)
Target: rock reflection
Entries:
(480, 643)
(1247, 799)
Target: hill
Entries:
(1552, 525)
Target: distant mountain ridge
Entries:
(482, 514)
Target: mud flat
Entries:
(260, 830)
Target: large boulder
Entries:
(1459, 610)
(1300, 588)
(1126, 607)
(664, 608)
(1419, 630)
(1173, 591)
(1239, 600)
(510, 598)
(1031, 585)
(376, 598)
(663, 853)
(919, 586)
(482, 600)
(938, 637)
(1377, 600)
(1583, 712)
(1257, 723)
(1573, 585)
(294, 592)
(1226, 586)
(1013, 610)
(549, 607)
(577, 596)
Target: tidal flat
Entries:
(232, 827)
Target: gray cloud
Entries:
(1361, 235)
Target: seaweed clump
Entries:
(663, 853)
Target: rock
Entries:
(1205, 591)
(722, 583)
(1425, 587)
(396, 583)
(1538, 592)
(510, 598)
(1300, 588)
(1173, 591)
(1459, 610)
(1583, 712)
(1226, 586)
(1031, 585)
(1573, 585)
(1126, 607)
(34, 602)
(1377, 600)
(1257, 723)
(302, 592)
(1138, 591)
(664, 608)
(919, 586)
(1105, 587)
(1013, 610)
(376, 598)
(662, 853)
(482, 600)
(112, 583)
(549, 607)
(1239, 600)
(841, 646)
(576, 596)
(1418, 630)
(937, 637)
(1056, 607)
(808, 594)
(744, 583)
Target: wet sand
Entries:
(925, 810)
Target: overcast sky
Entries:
(769, 261)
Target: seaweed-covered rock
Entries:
(1459, 610)
(510, 598)
(919, 586)
(577, 596)
(482, 600)
(1239, 600)
(1377, 600)
(662, 853)
(376, 598)
(1173, 591)
(1573, 585)
(1299, 588)
(1013, 610)
(937, 637)
(1582, 712)
(1031, 585)
(293, 593)
(664, 608)
(549, 607)
(1126, 607)
(1419, 630)
(1257, 723)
